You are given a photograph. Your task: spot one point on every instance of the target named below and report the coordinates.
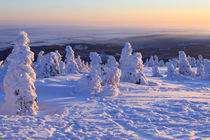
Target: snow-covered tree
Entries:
(112, 73)
(161, 63)
(156, 71)
(200, 69)
(90, 83)
(19, 86)
(151, 61)
(193, 62)
(62, 67)
(51, 64)
(207, 69)
(171, 70)
(71, 65)
(125, 54)
(156, 60)
(200, 58)
(175, 62)
(134, 71)
(47, 65)
(184, 66)
(39, 65)
(146, 63)
(95, 62)
(59, 57)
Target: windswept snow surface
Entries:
(165, 109)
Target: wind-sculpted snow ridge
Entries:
(172, 109)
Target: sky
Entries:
(112, 13)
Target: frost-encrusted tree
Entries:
(81, 65)
(39, 65)
(200, 58)
(207, 69)
(112, 73)
(62, 65)
(200, 69)
(171, 70)
(156, 71)
(146, 63)
(175, 62)
(51, 65)
(156, 60)
(151, 61)
(90, 83)
(134, 71)
(71, 65)
(184, 66)
(59, 57)
(125, 54)
(193, 62)
(161, 63)
(19, 86)
(95, 62)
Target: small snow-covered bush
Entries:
(19, 86)
(184, 66)
(71, 65)
(207, 69)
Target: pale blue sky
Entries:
(193, 13)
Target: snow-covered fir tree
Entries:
(156, 60)
(20, 95)
(71, 65)
(51, 65)
(184, 66)
(95, 62)
(193, 62)
(39, 65)
(134, 71)
(206, 69)
(146, 63)
(200, 69)
(156, 71)
(175, 62)
(161, 63)
(151, 62)
(62, 67)
(171, 70)
(112, 73)
(125, 54)
(90, 83)
(200, 58)
(59, 57)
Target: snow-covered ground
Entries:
(169, 109)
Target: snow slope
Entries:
(167, 109)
